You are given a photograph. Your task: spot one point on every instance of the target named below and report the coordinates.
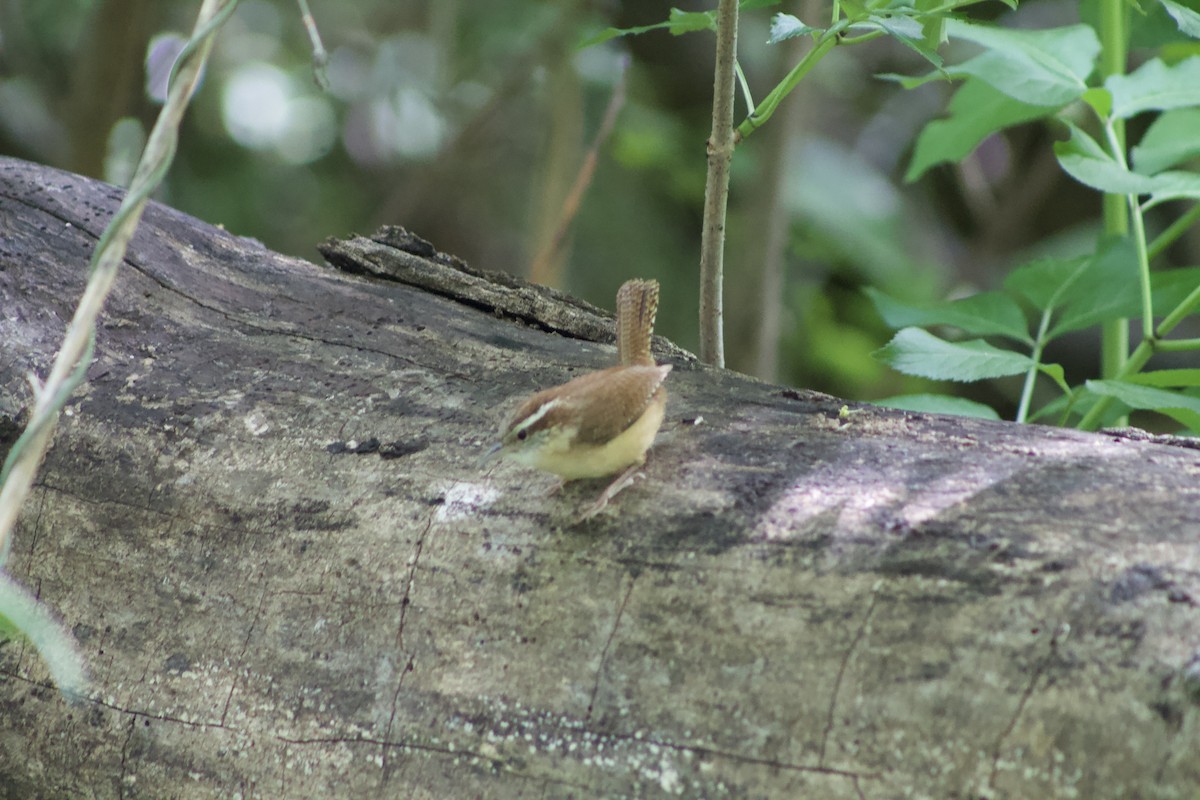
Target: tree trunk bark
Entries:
(264, 521)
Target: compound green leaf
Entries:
(1187, 19)
(1180, 407)
(1155, 87)
(976, 111)
(914, 351)
(1170, 140)
(1085, 161)
(908, 32)
(677, 23)
(1174, 185)
(1106, 289)
(983, 314)
(1040, 67)
(785, 26)
(1045, 282)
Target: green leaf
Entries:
(1180, 407)
(746, 5)
(1106, 289)
(1044, 282)
(933, 25)
(1170, 288)
(1100, 100)
(691, 21)
(1173, 186)
(1170, 139)
(1087, 162)
(1187, 19)
(22, 612)
(1041, 67)
(678, 22)
(603, 36)
(1061, 409)
(913, 81)
(976, 111)
(854, 10)
(939, 404)
(1056, 373)
(983, 314)
(1155, 87)
(600, 37)
(785, 26)
(914, 351)
(908, 32)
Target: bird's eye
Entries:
(521, 434)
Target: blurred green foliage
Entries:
(466, 123)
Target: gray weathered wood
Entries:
(264, 521)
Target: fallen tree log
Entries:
(264, 521)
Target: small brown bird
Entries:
(601, 422)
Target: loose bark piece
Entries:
(264, 522)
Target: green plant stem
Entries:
(1134, 220)
(716, 190)
(1175, 230)
(1113, 56)
(74, 355)
(1179, 312)
(744, 84)
(1126, 365)
(1143, 265)
(1031, 375)
(825, 42)
(1148, 347)
(1177, 345)
(865, 37)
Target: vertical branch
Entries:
(1114, 48)
(716, 190)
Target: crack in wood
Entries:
(133, 712)
(845, 660)
(385, 760)
(262, 602)
(36, 524)
(1039, 669)
(607, 644)
(124, 767)
(405, 601)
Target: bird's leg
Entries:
(624, 479)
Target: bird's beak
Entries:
(491, 453)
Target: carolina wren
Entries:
(601, 422)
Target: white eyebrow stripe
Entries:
(542, 411)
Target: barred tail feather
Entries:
(637, 305)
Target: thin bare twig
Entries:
(540, 268)
(716, 191)
(320, 57)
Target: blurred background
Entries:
(469, 122)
